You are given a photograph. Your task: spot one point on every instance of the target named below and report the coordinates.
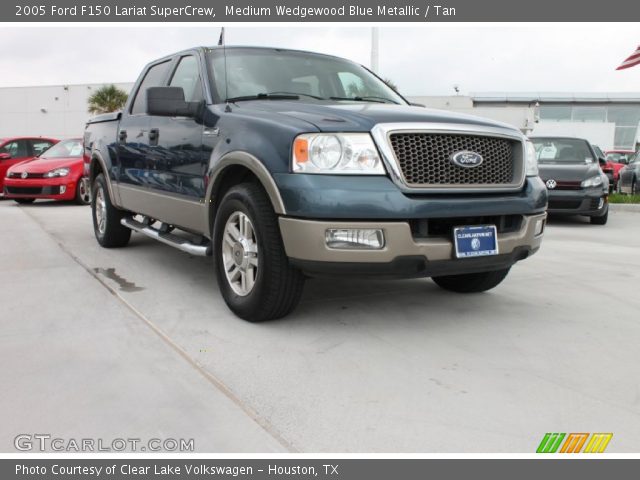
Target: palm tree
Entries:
(107, 99)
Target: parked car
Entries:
(18, 149)
(57, 174)
(616, 160)
(629, 181)
(285, 164)
(571, 171)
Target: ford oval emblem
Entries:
(467, 159)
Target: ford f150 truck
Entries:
(284, 164)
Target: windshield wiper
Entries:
(366, 99)
(264, 96)
(297, 93)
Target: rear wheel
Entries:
(471, 282)
(23, 201)
(106, 218)
(83, 192)
(254, 274)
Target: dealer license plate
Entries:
(475, 241)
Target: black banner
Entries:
(318, 11)
(254, 469)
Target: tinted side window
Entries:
(154, 77)
(187, 76)
(17, 149)
(39, 146)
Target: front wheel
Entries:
(601, 220)
(83, 192)
(471, 282)
(108, 230)
(255, 277)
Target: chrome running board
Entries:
(167, 238)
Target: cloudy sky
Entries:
(424, 60)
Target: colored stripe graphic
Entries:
(598, 442)
(550, 442)
(574, 443)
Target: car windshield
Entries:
(562, 150)
(64, 149)
(618, 157)
(294, 76)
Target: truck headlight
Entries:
(336, 153)
(58, 172)
(592, 182)
(531, 159)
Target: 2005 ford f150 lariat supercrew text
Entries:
(285, 164)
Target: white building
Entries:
(58, 111)
(609, 120)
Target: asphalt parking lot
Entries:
(137, 342)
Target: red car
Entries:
(616, 160)
(18, 149)
(57, 174)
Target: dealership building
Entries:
(610, 120)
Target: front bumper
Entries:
(402, 254)
(60, 188)
(591, 202)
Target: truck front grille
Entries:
(425, 160)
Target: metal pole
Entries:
(375, 39)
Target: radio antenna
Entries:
(222, 43)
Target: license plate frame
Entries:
(473, 241)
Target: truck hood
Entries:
(363, 116)
(568, 172)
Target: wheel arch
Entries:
(232, 169)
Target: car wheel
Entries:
(601, 220)
(254, 274)
(471, 282)
(83, 192)
(24, 201)
(106, 218)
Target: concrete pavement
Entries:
(377, 366)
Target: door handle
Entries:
(122, 136)
(154, 134)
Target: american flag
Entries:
(632, 61)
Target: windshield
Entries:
(253, 72)
(618, 157)
(562, 150)
(64, 149)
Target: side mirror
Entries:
(5, 156)
(170, 102)
(602, 161)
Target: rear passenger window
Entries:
(154, 77)
(17, 149)
(187, 76)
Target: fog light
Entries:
(601, 203)
(63, 188)
(539, 227)
(355, 238)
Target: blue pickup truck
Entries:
(285, 165)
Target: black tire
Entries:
(471, 282)
(277, 286)
(83, 191)
(113, 234)
(602, 220)
(24, 201)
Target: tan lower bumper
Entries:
(305, 240)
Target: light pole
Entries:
(375, 39)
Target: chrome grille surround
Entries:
(416, 169)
